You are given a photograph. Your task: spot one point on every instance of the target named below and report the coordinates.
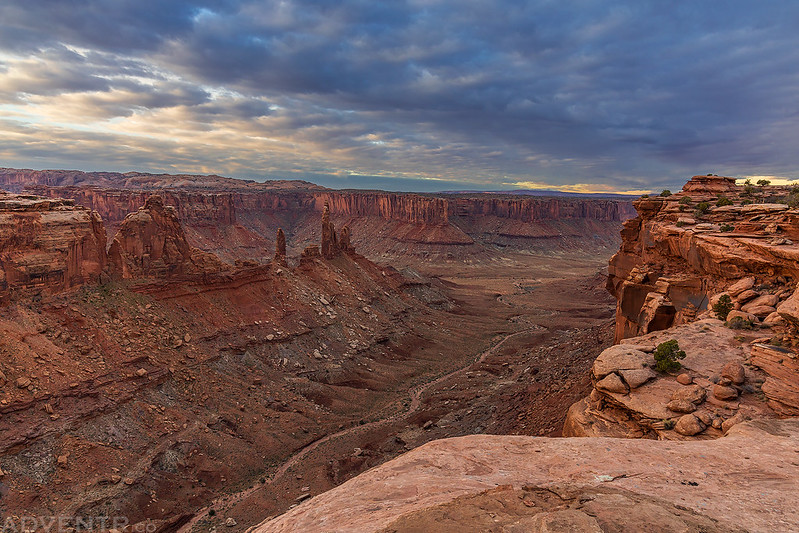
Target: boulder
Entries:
(734, 371)
(740, 286)
(724, 393)
(764, 299)
(612, 383)
(760, 311)
(774, 319)
(694, 394)
(685, 379)
(740, 314)
(689, 425)
(745, 296)
(789, 309)
(730, 422)
(619, 357)
(636, 378)
(681, 406)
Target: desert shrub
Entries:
(763, 183)
(668, 423)
(644, 196)
(722, 201)
(685, 200)
(746, 202)
(702, 208)
(680, 223)
(666, 355)
(727, 227)
(665, 192)
(792, 199)
(723, 307)
(739, 322)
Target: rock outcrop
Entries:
(519, 483)
(280, 247)
(329, 240)
(712, 386)
(48, 245)
(237, 219)
(151, 243)
(669, 265)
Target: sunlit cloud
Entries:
(587, 97)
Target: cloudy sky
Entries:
(420, 95)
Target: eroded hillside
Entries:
(709, 445)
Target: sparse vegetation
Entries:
(644, 196)
(763, 183)
(727, 227)
(668, 423)
(722, 201)
(723, 307)
(665, 193)
(702, 208)
(738, 322)
(680, 223)
(666, 356)
(685, 200)
(746, 202)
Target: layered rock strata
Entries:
(151, 243)
(48, 245)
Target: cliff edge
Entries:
(707, 275)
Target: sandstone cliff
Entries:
(238, 219)
(151, 243)
(681, 256)
(48, 245)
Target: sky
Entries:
(417, 95)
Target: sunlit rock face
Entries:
(48, 245)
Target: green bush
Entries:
(665, 192)
(723, 307)
(746, 202)
(685, 200)
(702, 208)
(666, 355)
(680, 223)
(763, 183)
(644, 196)
(727, 227)
(722, 201)
(739, 322)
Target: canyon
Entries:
(198, 353)
(706, 443)
(238, 220)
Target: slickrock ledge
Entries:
(743, 481)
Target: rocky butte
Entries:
(708, 445)
(237, 219)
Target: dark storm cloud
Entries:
(633, 94)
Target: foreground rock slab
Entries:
(689, 485)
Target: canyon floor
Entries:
(535, 324)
